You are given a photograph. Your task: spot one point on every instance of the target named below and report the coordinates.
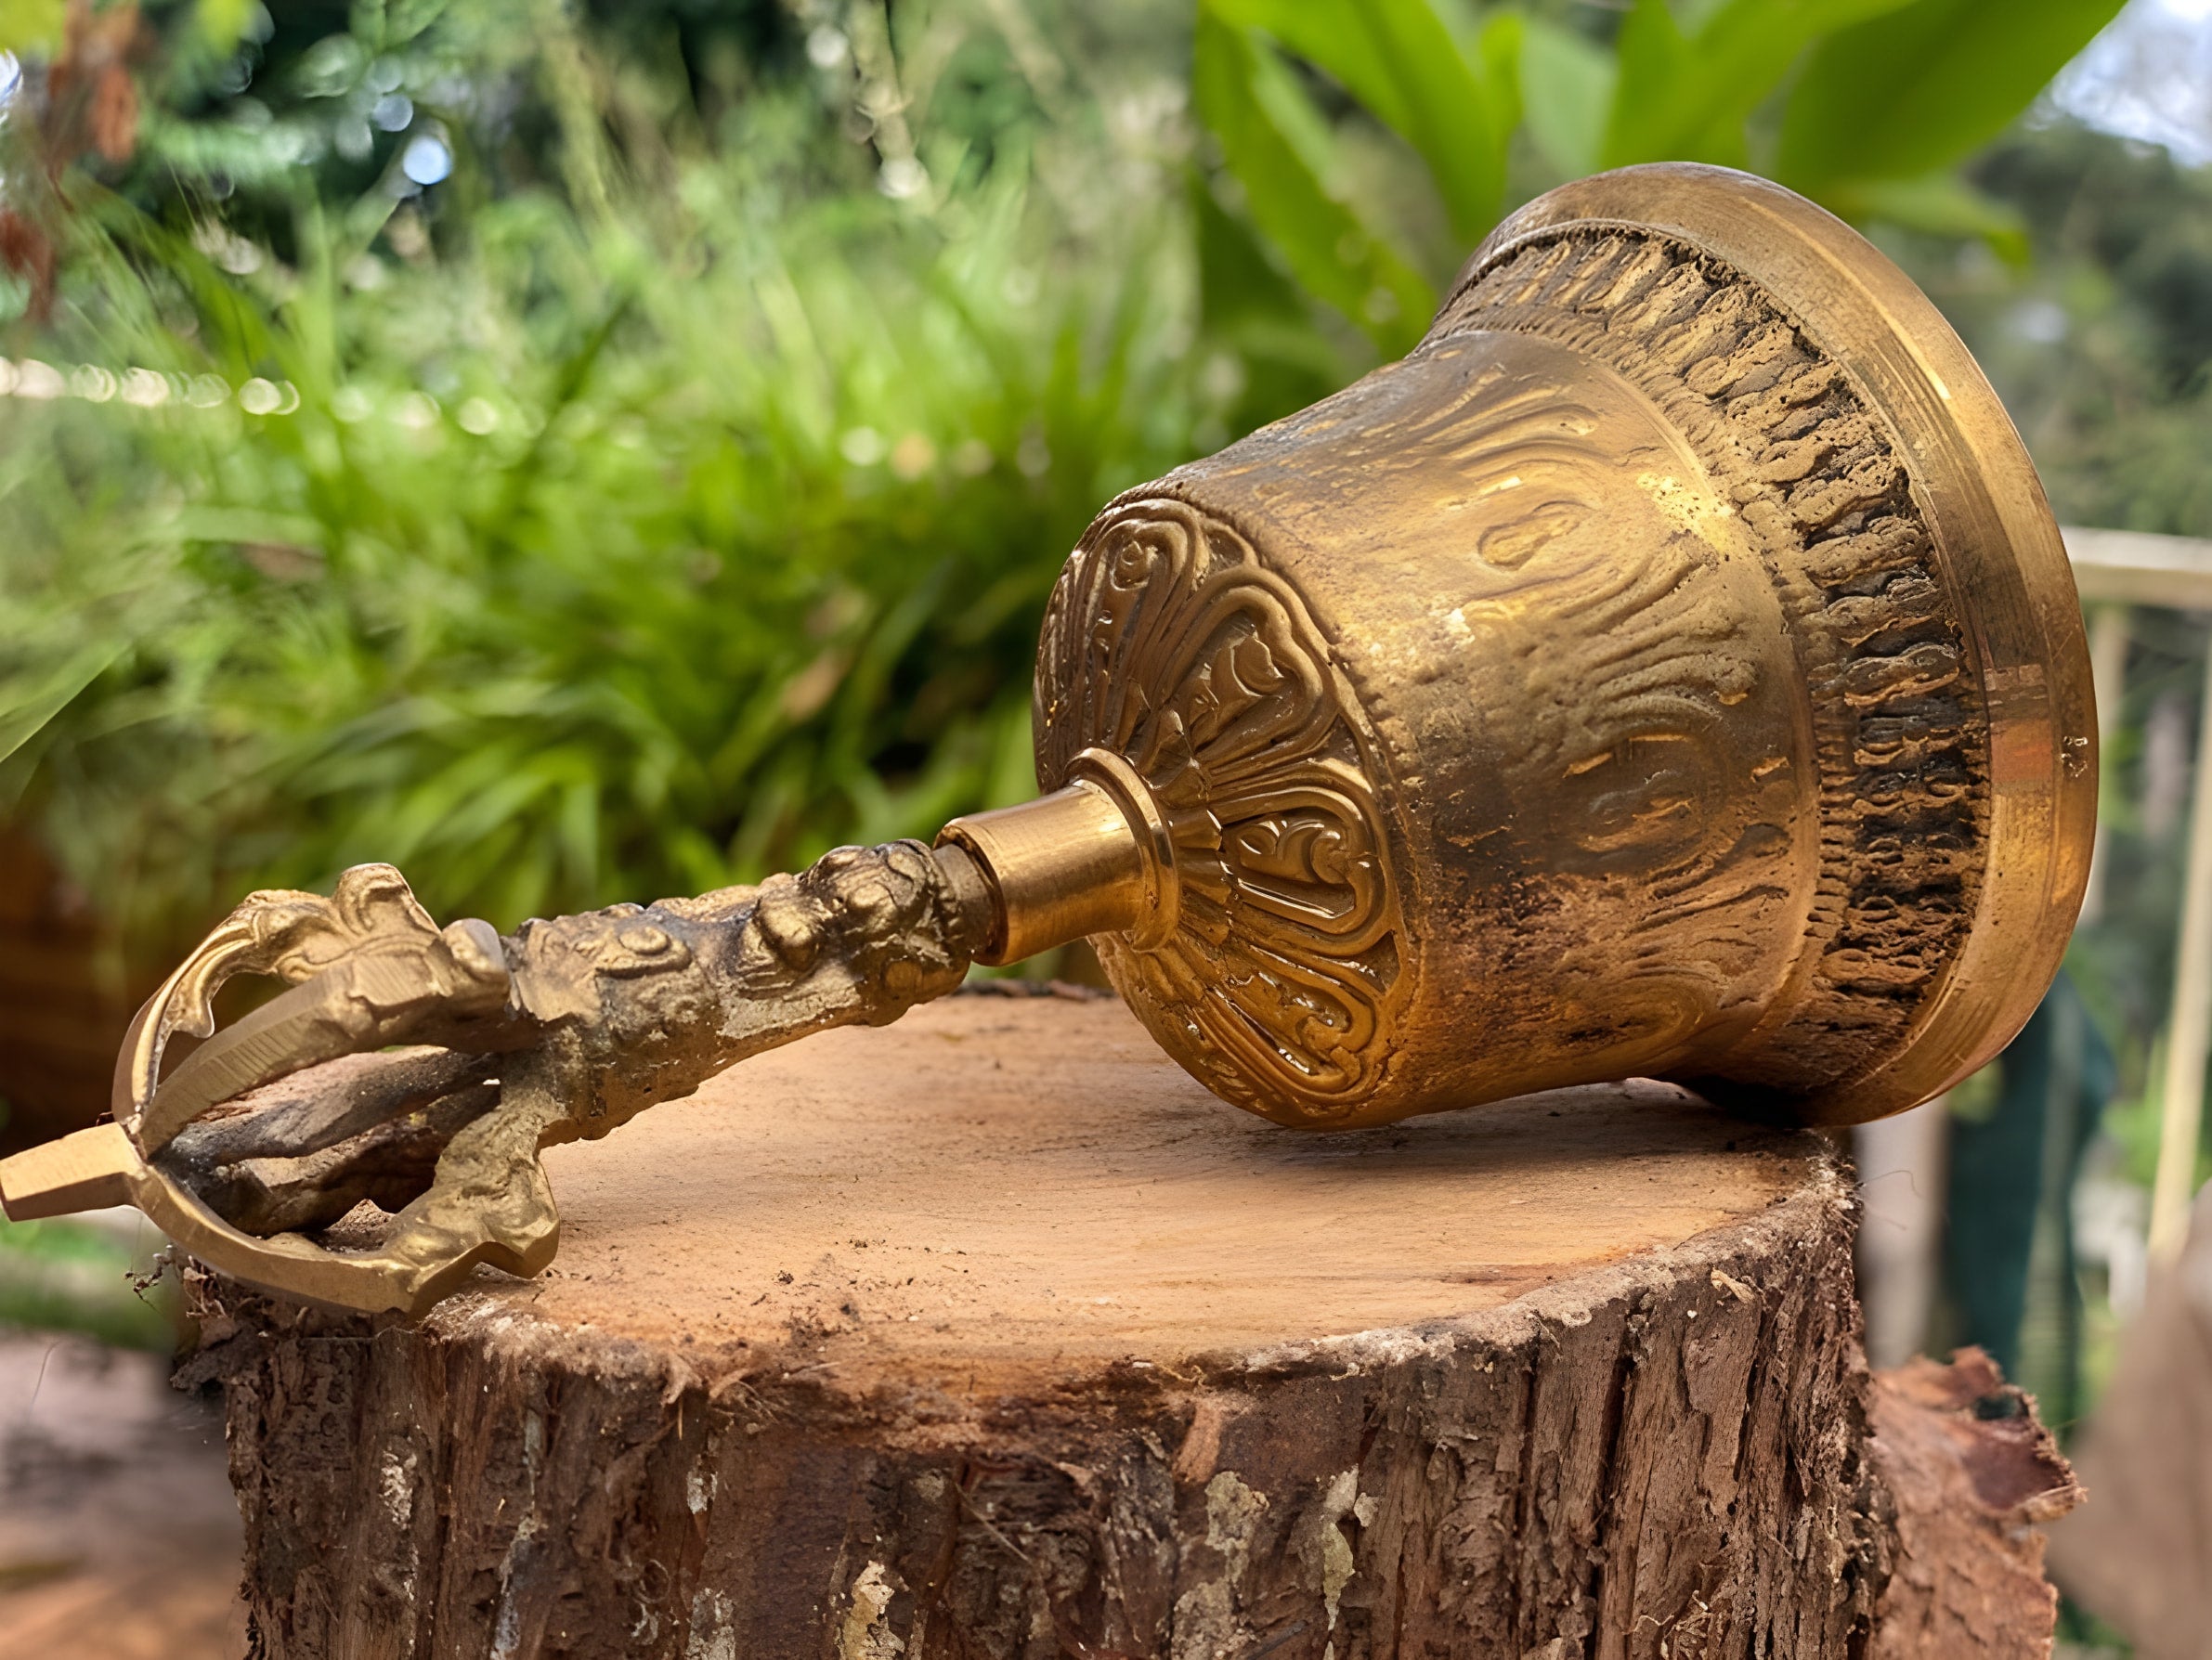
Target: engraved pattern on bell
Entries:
(1901, 738)
(1167, 642)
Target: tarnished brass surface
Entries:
(1669, 669)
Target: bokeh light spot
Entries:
(426, 160)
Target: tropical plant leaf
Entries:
(1900, 95)
(1940, 204)
(32, 25)
(1566, 90)
(1498, 46)
(224, 22)
(1274, 145)
(28, 706)
(1248, 306)
(1401, 60)
(1685, 94)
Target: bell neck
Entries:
(1093, 857)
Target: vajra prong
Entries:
(422, 1070)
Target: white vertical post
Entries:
(2189, 1026)
(2108, 673)
(1902, 1170)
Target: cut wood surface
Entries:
(990, 1334)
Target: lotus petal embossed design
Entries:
(1169, 643)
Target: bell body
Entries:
(1669, 668)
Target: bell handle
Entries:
(582, 1021)
(1096, 856)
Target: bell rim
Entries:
(2005, 569)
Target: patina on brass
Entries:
(1669, 669)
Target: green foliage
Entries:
(1568, 85)
(1453, 97)
(32, 25)
(1454, 104)
(622, 539)
(1271, 137)
(1687, 93)
(1900, 95)
(1863, 104)
(79, 1277)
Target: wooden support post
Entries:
(2189, 1024)
(991, 1334)
(2109, 639)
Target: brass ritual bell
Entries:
(1669, 668)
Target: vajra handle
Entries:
(425, 1069)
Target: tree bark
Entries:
(991, 1334)
(1971, 1476)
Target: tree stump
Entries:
(991, 1333)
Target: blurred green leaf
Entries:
(27, 26)
(1270, 358)
(1401, 59)
(224, 21)
(27, 705)
(1498, 47)
(1941, 204)
(1567, 86)
(1274, 145)
(1685, 96)
(1898, 96)
(1694, 80)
